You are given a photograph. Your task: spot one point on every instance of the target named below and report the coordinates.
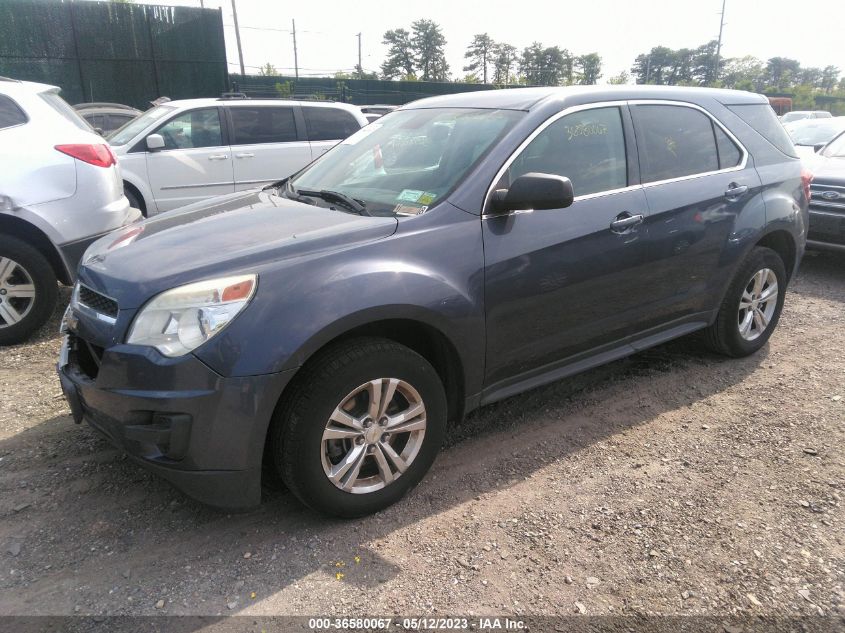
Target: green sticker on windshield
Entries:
(427, 198)
(410, 195)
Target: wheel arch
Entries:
(35, 237)
(138, 194)
(783, 243)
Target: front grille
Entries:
(97, 302)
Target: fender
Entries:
(143, 188)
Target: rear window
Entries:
(329, 124)
(60, 105)
(10, 113)
(763, 119)
(262, 125)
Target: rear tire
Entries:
(382, 461)
(28, 290)
(751, 308)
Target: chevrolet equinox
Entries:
(458, 251)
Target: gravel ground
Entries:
(672, 482)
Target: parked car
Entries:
(827, 201)
(60, 189)
(186, 151)
(799, 115)
(811, 135)
(471, 247)
(105, 118)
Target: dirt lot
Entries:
(673, 482)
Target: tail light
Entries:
(806, 179)
(99, 155)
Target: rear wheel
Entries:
(752, 306)
(28, 290)
(362, 427)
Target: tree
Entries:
(360, 73)
(810, 77)
(780, 72)
(427, 44)
(654, 67)
(503, 63)
(704, 62)
(399, 61)
(480, 53)
(742, 73)
(620, 79)
(829, 76)
(268, 70)
(588, 68)
(548, 66)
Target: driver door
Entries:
(195, 163)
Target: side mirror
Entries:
(534, 191)
(818, 147)
(155, 141)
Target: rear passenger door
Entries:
(327, 126)
(267, 144)
(697, 179)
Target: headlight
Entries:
(181, 319)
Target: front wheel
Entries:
(751, 308)
(361, 428)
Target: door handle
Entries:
(218, 157)
(735, 191)
(245, 155)
(625, 221)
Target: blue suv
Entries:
(458, 251)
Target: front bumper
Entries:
(827, 226)
(177, 417)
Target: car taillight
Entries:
(806, 179)
(99, 155)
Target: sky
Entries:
(617, 30)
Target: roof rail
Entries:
(232, 95)
(102, 104)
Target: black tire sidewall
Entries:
(134, 201)
(303, 470)
(759, 259)
(46, 289)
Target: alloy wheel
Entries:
(757, 304)
(17, 292)
(373, 435)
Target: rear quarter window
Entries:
(10, 113)
(60, 105)
(764, 121)
(329, 124)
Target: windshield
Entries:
(814, 131)
(836, 148)
(408, 160)
(129, 131)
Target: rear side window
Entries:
(763, 119)
(329, 124)
(10, 113)
(729, 154)
(674, 141)
(262, 125)
(588, 147)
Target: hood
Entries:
(241, 232)
(827, 171)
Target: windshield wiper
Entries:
(335, 196)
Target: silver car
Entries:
(60, 189)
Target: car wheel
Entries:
(28, 290)
(134, 202)
(752, 306)
(361, 428)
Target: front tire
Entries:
(752, 306)
(28, 290)
(362, 426)
(134, 201)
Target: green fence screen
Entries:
(107, 51)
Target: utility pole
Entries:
(360, 66)
(719, 42)
(295, 57)
(238, 38)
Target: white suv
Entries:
(186, 151)
(60, 189)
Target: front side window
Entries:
(836, 148)
(10, 113)
(134, 127)
(408, 160)
(674, 141)
(329, 124)
(588, 147)
(262, 125)
(197, 128)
